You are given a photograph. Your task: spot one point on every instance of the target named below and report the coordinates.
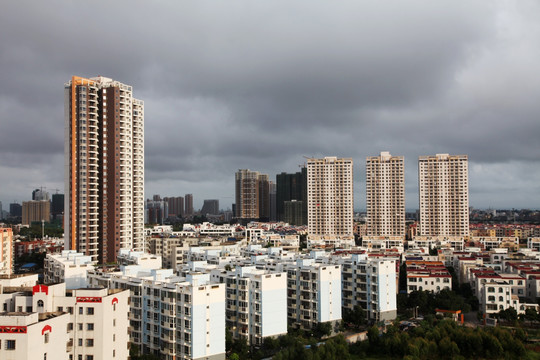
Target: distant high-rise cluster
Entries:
(385, 195)
(252, 195)
(104, 168)
(444, 195)
(330, 196)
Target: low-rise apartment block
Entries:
(428, 276)
(69, 267)
(82, 323)
(370, 282)
(172, 317)
(313, 293)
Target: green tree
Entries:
(356, 316)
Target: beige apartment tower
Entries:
(330, 196)
(252, 195)
(444, 195)
(36, 211)
(385, 195)
(104, 168)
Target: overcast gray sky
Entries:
(259, 84)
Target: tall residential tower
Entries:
(385, 195)
(444, 195)
(252, 195)
(330, 196)
(104, 168)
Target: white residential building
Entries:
(69, 267)
(383, 242)
(94, 321)
(256, 302)
(172, 317)
(444, 195)
(30, 336)
(490, 242)
(370, 282)
(533, 243)
(313, 293)
(330, 196)
(330, 242)
(496, 295)
(427, 276)
(385, 195)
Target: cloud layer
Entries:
(258, 85)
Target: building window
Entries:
(46, 338)
(80, 342)
(90, 311)
(90, 326)
(89, 342)
(10, 344)
(81, 311)
(89, 357)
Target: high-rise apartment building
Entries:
(210, 207)
(6, 251)
(176, 206)
(40, 194)
(291, 187)
(188, 201)
(104, 168)
(444, 195)
(36, 211)
(272, 196)
(252, 195)
(57, 205)
(385, 195)
(15, 209)
(330, 196)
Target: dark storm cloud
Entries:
(240, 84)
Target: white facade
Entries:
(30, 336)
(444, 195)
(256, 302)
(533, 243)
(69, 267)
(170, 316)
(370, 283)
(383, 242)
(496, 295)
(93, 321)
(330, 196)
(330, 242)
(313, 293)
(385, 195)
(427, 276)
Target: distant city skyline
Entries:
(260, 89)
